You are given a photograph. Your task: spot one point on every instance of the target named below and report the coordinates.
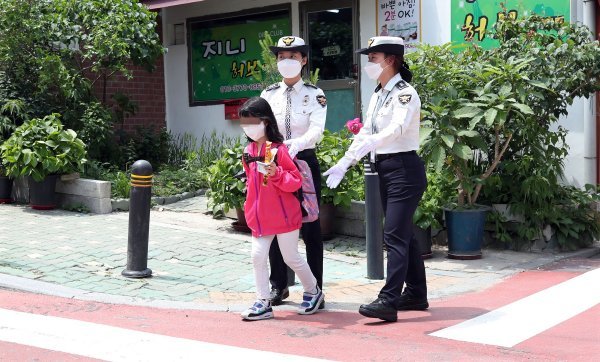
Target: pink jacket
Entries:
(272, 209)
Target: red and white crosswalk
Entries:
(537, 315)
(114, 343)
(516, 322)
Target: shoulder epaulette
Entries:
(310, 85)
(401, 84)
(272, 86)
(377, 88)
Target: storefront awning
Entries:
(159, 4)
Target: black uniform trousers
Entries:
(311, 234)
(402, 182)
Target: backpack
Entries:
(306, 195)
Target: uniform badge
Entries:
(305, 101)
(322, 100)
(404, 98)
(388, 102)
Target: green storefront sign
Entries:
(224, 55)
(472, 20)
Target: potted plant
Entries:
(227, 189)
(479, 105)
(476, 102)
(332, 148)
(42, 150)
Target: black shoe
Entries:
(278, 295)
(407, 302)
(379, 308)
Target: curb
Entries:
(39, 287)
(34, 286)
(123, 204)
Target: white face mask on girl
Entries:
(289, 68)
(374, 70)
(254, 131)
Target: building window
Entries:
(178, 34)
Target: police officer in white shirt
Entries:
(300, 109)
(390, 137)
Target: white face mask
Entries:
(374, 70)
(254, 131)
(289, 68)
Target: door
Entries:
(330, 28)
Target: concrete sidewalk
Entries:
(202, 263)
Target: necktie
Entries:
(288, 113)
(374, 127)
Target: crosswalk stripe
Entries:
(118, 344)
(514, 323)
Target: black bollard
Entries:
(139, 221)
(374, 216)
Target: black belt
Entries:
(384, 156)
(307, 153)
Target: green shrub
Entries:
(121, 184)
(171, 181)
(330, 150)
(483, 107)
(12, 115)
(225, 190)
(440, 190)
(185, 151)
(96, 129)
(41, 147)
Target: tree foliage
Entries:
(53, 52)
(482, 107)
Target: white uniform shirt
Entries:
(395, 112)
(307, 114)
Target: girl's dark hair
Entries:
(258, 107)
(401, 67)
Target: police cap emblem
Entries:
(288, 40)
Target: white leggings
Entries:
(288, 244)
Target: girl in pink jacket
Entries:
(271, 207)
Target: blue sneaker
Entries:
(260, 310)
(311, 302)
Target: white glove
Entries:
(294, 146)
(365, 144)
(336, 173)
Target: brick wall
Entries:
(145, 89)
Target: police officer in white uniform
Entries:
(390, 138)
(300, 109)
